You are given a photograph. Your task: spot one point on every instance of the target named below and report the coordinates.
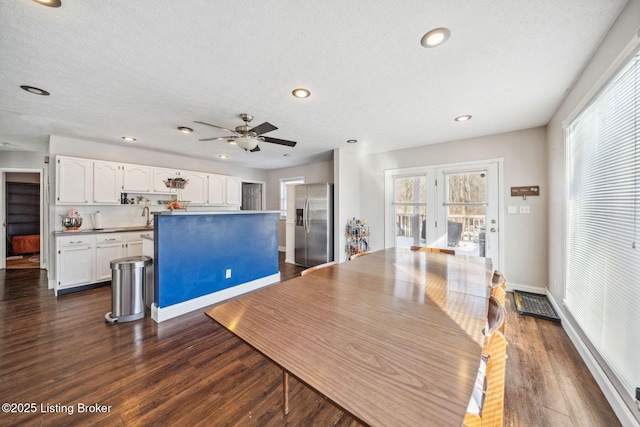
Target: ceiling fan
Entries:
(247, 137)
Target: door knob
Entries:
(493, 229)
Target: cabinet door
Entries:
(216, 189)
(75, 264)
(134, 248)
(159, 176)
(107, 182)
(75, 181)
(137, 178)
(196, 190)
(107, 250)
(233, 191)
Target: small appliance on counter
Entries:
(72, 221)
(96, 218)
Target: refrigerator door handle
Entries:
(307, 224)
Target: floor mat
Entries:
(535, 305)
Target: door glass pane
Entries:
(466, 212)
(410, 207)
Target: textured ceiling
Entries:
(144, 67)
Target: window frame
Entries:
(283, 192)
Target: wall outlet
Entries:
(227, 274)
(512, 209)
(525, 209)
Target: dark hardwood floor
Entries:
(59, 354)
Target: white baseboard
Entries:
(611, 394)
(169, 312)
(526, 288)
(52, 284)
(282, 249)
(289, 261)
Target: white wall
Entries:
(610, 55)
(347, 196)
(525, 158)
(22, 159)
(313, 173)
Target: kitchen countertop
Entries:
(182, 212)
(103, 230)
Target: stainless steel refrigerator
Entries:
(314, 224)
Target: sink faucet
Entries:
(145, 211)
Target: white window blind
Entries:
(602, 262)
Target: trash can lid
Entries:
(130, 263)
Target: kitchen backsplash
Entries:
(115, 216)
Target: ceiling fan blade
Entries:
(218, 127)
(263, 128)
(218, 138)
(280, 141)
(255, 149)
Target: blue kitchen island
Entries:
(202, 258)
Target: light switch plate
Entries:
(525, 209)
(512, 209)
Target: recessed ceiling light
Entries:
(352, 141)
(223, 156)
(185, 129)
(50, 3)
(128, 138)
(435, 37)
(301, 93)
(35, 90)
(463, 118)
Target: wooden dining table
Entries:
(393, 338)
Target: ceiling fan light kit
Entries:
(247, 144)
(247, 137)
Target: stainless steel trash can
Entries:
(127, 289)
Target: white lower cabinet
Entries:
(108, 248)
(75, 261)
(86, 259)
(133, 246)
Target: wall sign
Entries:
(530, 190)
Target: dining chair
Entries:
(318, 267)
(498, 279)
(486, 406)
(359, 254)
(500, 294)
(495, 318)
(434, 250)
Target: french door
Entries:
(446, 206)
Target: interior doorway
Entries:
(21, 212)
(252, 196)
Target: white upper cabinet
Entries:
(224, 190)
(75, 181)
(233, 191)
(87, 181)
(107, 182)
(137, 179)
(216, 189)
(159, 177)
(195, 191)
